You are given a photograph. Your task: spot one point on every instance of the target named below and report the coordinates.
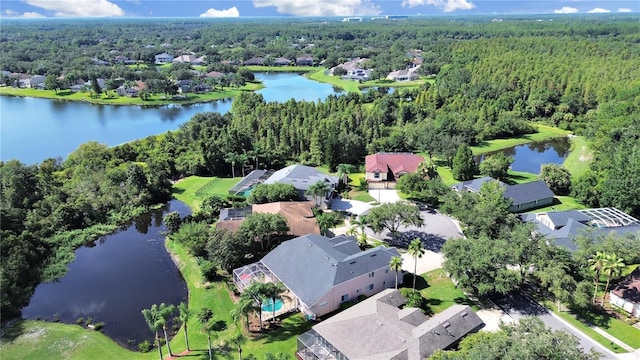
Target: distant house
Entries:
(357, 74)
(33, 82)
(349, 65)
(281, 61)
(214, 74)
(523, 197)
(298, 215)
(626, 294)
(184, 86)
(322, 273)
(381, 327)
(121, 59)
(404, 75)
(163, 58)
(304, 60)
(255, 61)
(189, 59)
(384, 169)
(130, 91)
(97, 61)
(562, 227)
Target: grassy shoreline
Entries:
(545, 132)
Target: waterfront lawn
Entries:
(193, 189)
(520, 177)
(355, 86)
(561, 203)
(545, 132)
(439, 291)
(579, 158)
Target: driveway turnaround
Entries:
(385, 196)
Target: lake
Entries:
(530, 157)
(36, 129)
(114, 280)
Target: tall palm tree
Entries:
(205, 316)
(165, 311)
(415, 249)
(319, 188)
(243, 308)
(253, 293)
(595, 264)
(612, 267)
(238, 340)
(325, 222)
(185, 313)
(154, 321)
(396, 265)
(272, 291)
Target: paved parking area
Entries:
(385, 196)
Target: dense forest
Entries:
(493, 80)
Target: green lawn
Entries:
(155, 100)
(544, 132)
(521, 177)
(439, 291)
(579, 159)
(194, 189)
(445, 175)
(561, 203)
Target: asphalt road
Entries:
(518, 306)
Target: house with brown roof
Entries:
(304, 60)
(384, 169)
(298, 215)
(255, 61)
(626, 294)
(381, 327)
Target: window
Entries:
(344, 297)
(371, 274)
(370, 287)
(376, 175)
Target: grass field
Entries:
(440, 291)
(154, 100)
(579, 159)
(544, 132)
(561, 203)
(194, 189)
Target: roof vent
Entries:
(372, 255)
(353, 262)
(446, 325)
(464, 314)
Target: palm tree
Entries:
(612, 267)
(396, 265)
(154, 321)
(238, 340)
(596, 264)
(253, 293)
(319, 188)
(325, 222)
(243, 308)
(185, 313)
(165, 312)
(205, 315)
(272, 291)
(415, 249)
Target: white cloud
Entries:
(231, 12)
(75, 8)
(566, 10)
(321, 7)
(446, 5)
(624, 10)
(598, 10)
(30, 14)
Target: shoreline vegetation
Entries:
(110, 98)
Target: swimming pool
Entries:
(267, 305)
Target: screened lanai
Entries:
(243, 276)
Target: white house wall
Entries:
(631, 308)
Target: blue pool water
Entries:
(267, 306)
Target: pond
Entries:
(115, 279)
(530, 157)
(36, 129)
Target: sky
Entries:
(253, 8)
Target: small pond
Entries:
(115, 279)
(530, 157)
(284, 86)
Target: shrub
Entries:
(144, 346)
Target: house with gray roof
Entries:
(322, 273)
(380, 327)
(562, 227)
(302, 177)
(523, 197)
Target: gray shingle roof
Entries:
(310, 265)
(377, 328)
(528, 192)
(300, 176)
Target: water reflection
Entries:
(530, 157)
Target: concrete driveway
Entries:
(385, 196)
(352, 206)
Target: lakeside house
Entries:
(381, 327)
(382, 170)
(305, 60)
(321, 273)
(626, 294)
(523, 197)
(404, 75)
(163, 58)
(298, 215)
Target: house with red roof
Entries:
(384, 169)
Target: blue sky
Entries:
(250, 8)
